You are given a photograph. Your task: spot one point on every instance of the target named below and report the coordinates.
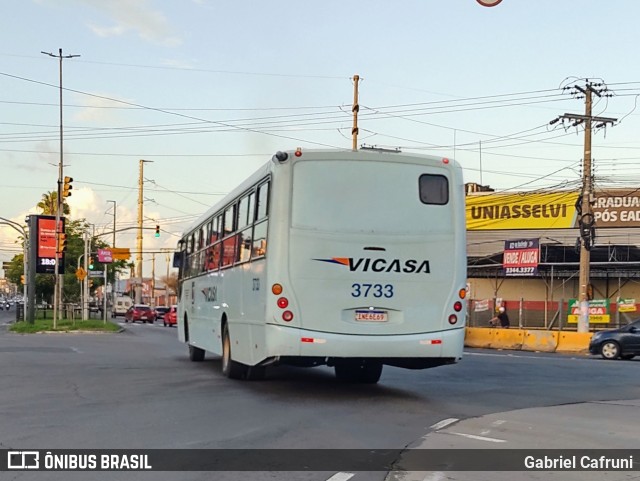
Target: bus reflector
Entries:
(276, 289)
(431, 341)
(298, 152)
(445, 160)
(283, 302)
(313, 340)
(287, 316)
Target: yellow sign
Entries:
(120, 253)
(598, 311)
(81, 273)
(521, 211)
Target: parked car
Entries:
(140, 312)
(171, 317)
(623, 343)
(161, 311)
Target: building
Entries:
(539, 297)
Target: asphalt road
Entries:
(137, 389)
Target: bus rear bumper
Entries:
(413, 351)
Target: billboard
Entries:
(521, 257)
(46, 256)
(555, 210)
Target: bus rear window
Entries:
(369, 197)
(434, 189)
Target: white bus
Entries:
(352, 259)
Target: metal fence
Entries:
(540, 314)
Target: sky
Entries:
(207, 90)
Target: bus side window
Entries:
(244, 245)
(263, 201)
(259, 241)
(228, 251)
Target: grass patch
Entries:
(64, 325)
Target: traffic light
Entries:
(66, 188)
(157, 231)
(22, 281)
(62, 243)
(91, 266)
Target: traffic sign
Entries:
(81, 273)
(120, 253)
(96, 273)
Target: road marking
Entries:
(341, 477)
(76, 350)
(554, 358)
(444, 423)
(479, 438)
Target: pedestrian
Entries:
(501, 318)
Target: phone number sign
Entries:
(521, 257)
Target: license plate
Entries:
(144, 318)
(372, 316)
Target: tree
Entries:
(49, 204)
(171, 282)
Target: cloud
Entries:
(99, 108)
(137, 16)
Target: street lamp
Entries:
(57, 293)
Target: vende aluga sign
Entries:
(599, 311)
(521, 257)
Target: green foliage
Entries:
(64, 325)
(74, 229)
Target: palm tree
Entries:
(49, 204)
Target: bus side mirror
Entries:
(178, 259)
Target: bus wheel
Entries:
(256, 373)
(196, 354)
(367, 372)
(230, 368)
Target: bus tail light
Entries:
(462, 293)
(453, 319)
(457, 306)
(283, 302)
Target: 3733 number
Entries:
(371, 290)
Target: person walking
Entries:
(501, 318)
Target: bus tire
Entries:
(230, 368)
(366, 372)
(196, 354)
(256, 373)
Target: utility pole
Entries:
(166, 282)
(138, 293)
(586, 220)
(113, 244)
(355, 109)
(57, 293)
(153, 280)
